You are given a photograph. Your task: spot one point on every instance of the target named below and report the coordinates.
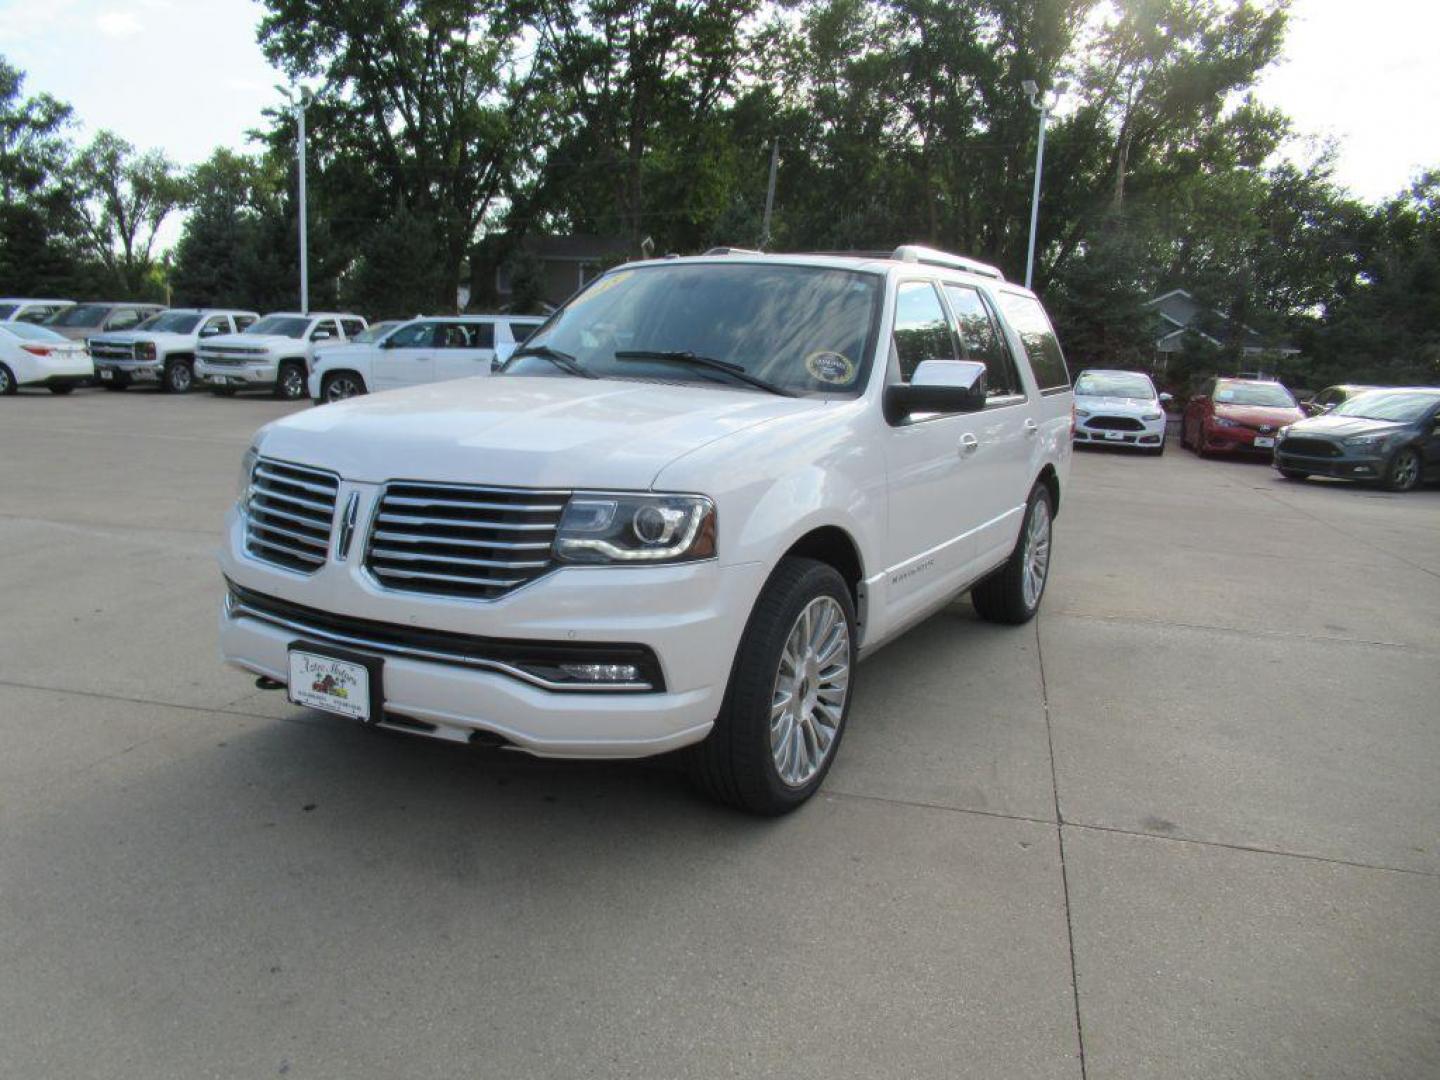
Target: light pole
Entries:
(299, 102)
(1044, 105)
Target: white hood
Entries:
(255, 341)
(523, 431)
(163, 341)
(1117, 406)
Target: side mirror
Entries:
(211, 331)
(1165, 398)
(321, 335)
(938, 386)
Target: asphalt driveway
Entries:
(1185, 825)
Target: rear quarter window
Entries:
(1029, 321)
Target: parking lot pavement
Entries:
(1228, 698)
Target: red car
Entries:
(1237, 415)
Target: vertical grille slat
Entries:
(290, 514)
(472, 542)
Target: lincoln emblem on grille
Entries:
(347, 526)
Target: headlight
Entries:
(145, 350)
(606, 528)
(1221, 421)
(1369, 442)
(1081, 412)
(1157, 415)
(247, 472)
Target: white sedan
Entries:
(1119, 408)
(34, 356)
(421, 350)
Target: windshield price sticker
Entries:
(830, 367)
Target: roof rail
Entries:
(915, 253)
(733, 251)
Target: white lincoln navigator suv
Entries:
(699, 493)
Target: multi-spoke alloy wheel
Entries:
(811, 685)
(1037, 553)
(1404, 471)
(340, 387)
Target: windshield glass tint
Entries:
(31, 332)
(1113, 384)
(280, 325)
(1387, 405)
(172, 322)
(81, 315)
(802, 328)
(1265, 395)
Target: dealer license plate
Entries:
(106, 374)
(1264, 440)
(1115, 435)
(345, 685)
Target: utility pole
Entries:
(298, 104)
(1044, 108)
(770, 194)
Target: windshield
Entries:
(374, 333)
(31, 332)
(280, 325)
(81, 315)
(1113, 384)
(171, 322)
(804, 328)
(1265, 395)
(1400, 406)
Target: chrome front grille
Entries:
(109, 350)
(471, 542)
(289, 514)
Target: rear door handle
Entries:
(968, 444)
(1031, 427)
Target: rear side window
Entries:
(980, 340)
(244, 322)
(124, 319)
(470, 335)
(414, 336)
(1028, 319)
(352, 327)
(922, 331)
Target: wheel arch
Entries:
(834, 546)
(1051, 479)
(330, 373)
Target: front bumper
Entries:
(1149, 435)
(1343, 466)
(689, 617)
(248, 373)
(132, 370)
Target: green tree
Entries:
(124, 197)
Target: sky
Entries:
(186, 76)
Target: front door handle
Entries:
(1031, 427)
(968, 444)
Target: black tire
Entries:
(1294, 474)
(334, 384)
(8, 385)
(1158, 451)
(1002, 597)
(62, 389)
(290, 383)
(735, 763)
(1402, 472)
(178, 378)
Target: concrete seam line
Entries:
(1060, 840)
(224, 710)
(1256, 632)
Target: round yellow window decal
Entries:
(830, 367)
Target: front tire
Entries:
(291, 384)
(1403, 472)
(61, 389)
(341, 385)
(1013, 593)
(8, 385)
(785, 708)
(179, 377)
(1294, 474)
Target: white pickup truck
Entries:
(161, 350)
(273, 354)
(679, 515)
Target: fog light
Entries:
(602, 673)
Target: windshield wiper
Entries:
(678, 356)
(563, 360)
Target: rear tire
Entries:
(789, 695)
(1013, 593)
(1403, 472)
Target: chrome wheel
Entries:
(180, 377)
(292, 382)
(811, 684)
(341, 387)
(1036, 564)
(1406, 470)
